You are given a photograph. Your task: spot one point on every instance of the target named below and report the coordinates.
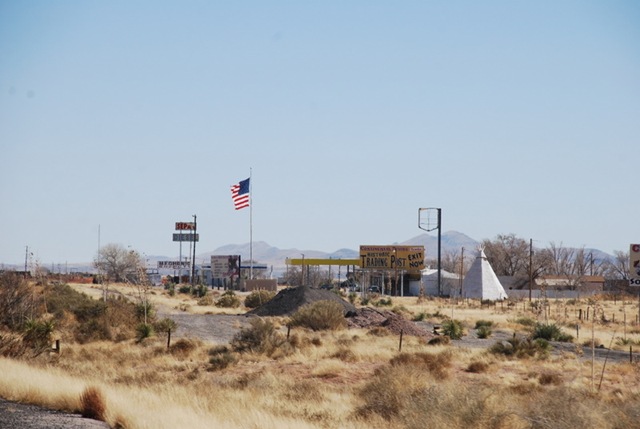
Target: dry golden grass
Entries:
(347, 379)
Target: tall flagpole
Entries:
(250, 225)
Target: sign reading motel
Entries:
(409, 258)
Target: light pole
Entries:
(302, 270)
(428, 226)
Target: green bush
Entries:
(184, 289)
(484, 332)
(320, 316)
(487, 323)
(228, 300)
(453, 329)
(257, 298)
(37, 334)
(144, 330)
(165, 325)
(550, 332)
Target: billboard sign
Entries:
(409, 258)
(634, 265)
(225, 266)
(186, 237)
(185, 226)
(173, 265)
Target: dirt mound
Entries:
(368, 317)
(289, 300)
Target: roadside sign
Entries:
(173, 265)
(634, 265)
(186, 237)
(185, 226)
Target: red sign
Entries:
(185, 226)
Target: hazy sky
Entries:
(128, 116)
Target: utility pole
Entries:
(193, 259)
(530, 266)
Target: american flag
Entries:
(240, 194)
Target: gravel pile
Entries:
(289, 300)
(368, 317)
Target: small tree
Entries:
(118, 264)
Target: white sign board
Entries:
(223, 266)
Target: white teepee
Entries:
(481, 281)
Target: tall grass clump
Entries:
(258, 297)
(550, 332)
(228, 300)
(453, 329)
(319, 316)
(260, 337)
(483, 328)
(93, 404)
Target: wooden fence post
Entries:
(400, 347)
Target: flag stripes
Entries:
(240, 194)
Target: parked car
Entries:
(373, 289)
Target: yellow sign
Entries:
(409, 258)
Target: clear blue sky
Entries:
(513, 117)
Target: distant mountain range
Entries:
(263, 253)
(275, 258)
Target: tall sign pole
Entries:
(427, 225)
(193, 259)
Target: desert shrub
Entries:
(550, 378)
(453, 329)
(200, 291)
(12, 345)
(319, 316)
(17, 301)
(526, 321)
(477, 367)
(208, 299)
(144, 330)
(522, 348)
(37, 335)
(93, 404)
(183, 347)
(258, 297)
(352, 297)
(345, 354)
(260, 337)
(436, 364)
(383, 302)
(186, 289)
(228, 300)
(379, 331)
(220, 358)
(419, 317)
(440, 340)
(550, 332)
(145, 311)
(483, 332)
(393, 388)
(487, 323)
(165, 325)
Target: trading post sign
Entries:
(634, 265)
(409, 258)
